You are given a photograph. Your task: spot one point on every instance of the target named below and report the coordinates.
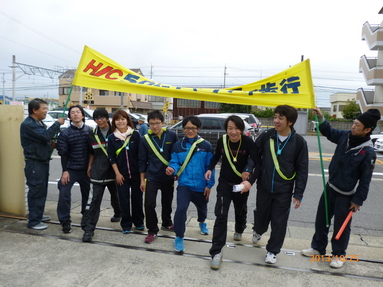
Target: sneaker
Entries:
(40, 226)
(179, 245)
(168, 228)
(67, 228)
(45, 218)
(310, 252)
(237, 236)
(271, 258)
(140, 228)
(256, 237)
(216, 261)
(203, 228)
(150, 238)
(115, 218)
(87, 237)
(336, 262)
(126, 231)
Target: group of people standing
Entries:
(134, 167)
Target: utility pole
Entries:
(13, 78)
(3, 86)
(224, 77)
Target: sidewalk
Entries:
(52, 258)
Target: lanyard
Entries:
(160, 157)
(225, 148)
(125, 144)
(276, 163)
(189, 155)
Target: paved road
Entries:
(367, 221)
(51, 258)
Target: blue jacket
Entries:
(193, 175)
(36, 139)
(74, 148)
(350, 171)
(149, 163)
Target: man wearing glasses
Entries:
(191, 157)
(101, 174)
(154, 156)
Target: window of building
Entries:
(118, 94)
(212, 105)
(104, 93)
(156, 99)
(341, 107)
(66, 90)
(334, 108)
(182, 103)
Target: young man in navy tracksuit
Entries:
(236, 151)
(191, 157)
(154, 156)
(350, 173)
(283, 176)
(101, 174)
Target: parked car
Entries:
(252, 120)
(377, 139)
(213, 127)
(133, 117)
(56, 114)
(48, 121)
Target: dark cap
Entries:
(370, 118)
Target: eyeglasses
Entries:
(155, 124)
(100, 118)
(190, 128)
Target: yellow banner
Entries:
(292, 86)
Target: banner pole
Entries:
(322, 167)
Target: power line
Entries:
(34, 49)
(40, 33)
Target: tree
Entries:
(351, 110)
(231, 108)
(266, 113)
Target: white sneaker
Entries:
(256, 237)
(216, 261)
(310, 252)
(336, 262)
(40, 226)
(271, 258)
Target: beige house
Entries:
(338, 101)
(94, 98)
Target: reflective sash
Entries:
(189, 155)
(99, 142)
(226, 149)
(154, 149)
(276, 163)
(124, 145)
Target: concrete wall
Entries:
(12, 180)
(341, 125)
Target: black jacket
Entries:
(36, 139)
(244, 162)
(127, 160)
(294, 158)
(149, 163)
(101, 170)
(350, 171)
(73, 147)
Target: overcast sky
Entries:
(189, 42)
